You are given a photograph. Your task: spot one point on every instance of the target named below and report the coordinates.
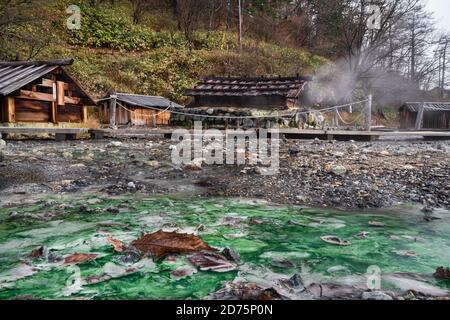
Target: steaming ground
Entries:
(312, 173)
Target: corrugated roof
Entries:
(144, 101)
(428, 106)
(289, 87)
(15, 75)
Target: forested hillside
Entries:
(149, 55)
(391, 50)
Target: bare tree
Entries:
(17, 41)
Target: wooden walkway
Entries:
(60, 133)
(340, 135)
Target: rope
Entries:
(144, 115)
(348, 123)
(287, 114)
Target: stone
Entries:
(2, 144)
(442, 273)
(375, 295)
(114, 144)
(335, 169)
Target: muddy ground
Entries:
(347, 175)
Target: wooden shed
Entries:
(243, 92)
(41, 92)
(122, 109)
(425, 115)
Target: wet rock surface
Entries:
(346, 175)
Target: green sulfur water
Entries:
(273, 241)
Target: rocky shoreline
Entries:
(346, 175)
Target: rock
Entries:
(337, 269)
(293, 151)
(194, 165)
(149, 145)
(335, 240)
(427, 209)
(114, 144)
(338, 154)
(67, 155)
(84, 209)
(375, 295)
(152, 163)
(442, 273)
(131, 185)
(335, 169)
(384, 153)
(231, 255)
(362, 235)
(376, 224)
(182, 272)
(113, 210)
(408, 167)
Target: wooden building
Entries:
(240, 92)
(425, 115)
(121, 109)
(41, 92)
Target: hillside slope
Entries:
(112, 53)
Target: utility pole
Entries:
(240, 24)
(444, 66)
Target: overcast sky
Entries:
(441, 9)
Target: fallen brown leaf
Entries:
(211, 261)
(163, 243)
(79, 258)
(118, 245)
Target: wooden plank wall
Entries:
(150, 118)
(139, 116)
(32, 111)
(69, 113)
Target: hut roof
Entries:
(143, 101)
(428, 106)
(289, 87)
(16, 74)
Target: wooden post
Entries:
(10, 109)
(336, 119)
(419, 118)
(112, 110)
(60, 93)
(54, 103)
(53, 111)
(85, 113)
(368, 114)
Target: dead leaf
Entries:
(118, 245)
(79, 258)
(376, 224)
(335, 240)
(37, 253)
(163, 243)
(211, 261)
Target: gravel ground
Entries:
(347, 175)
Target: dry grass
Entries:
(92, 123)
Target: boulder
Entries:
(375, 295)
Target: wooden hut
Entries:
(41, 92)
(242, 92)
(121, 109)
(425, 115)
